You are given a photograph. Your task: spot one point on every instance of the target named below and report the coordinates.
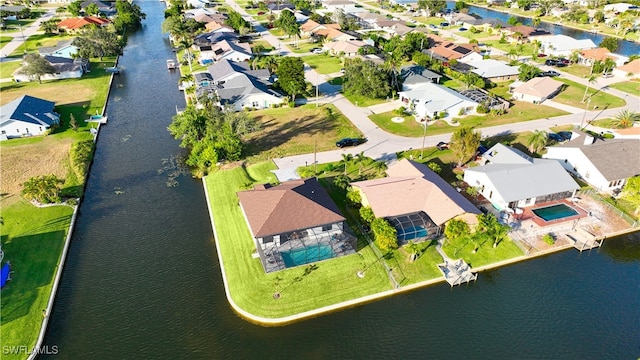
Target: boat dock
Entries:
(584, 240)
(455, 272)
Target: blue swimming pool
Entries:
(555, 212)
(412, 232)
(309, 254)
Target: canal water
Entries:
(625, 47)
(142, 280)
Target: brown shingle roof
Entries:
(290, 206)
(412, 187)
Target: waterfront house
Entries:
(429, 100)
(64, 49)
(620, 7)
(562, 45)
(606, 164)
(416, 200)
(27, 116)
(107, 9)
(587, 57)
(213, 27)
(494, 70)
(74, 24)
(511, 179)
(535, 90)
(65, 68)
(630, 70)
(231, 51)
(295, 223)
(523, 33)
(205, 41)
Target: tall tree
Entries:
(537, 141)
(609, 43)
(464, 143)
(74, 8)
(456, 228)
(291, 76)
(129, 16)
(385, 235)
(36, 66)
(545, 6)
(49, 26)
(97, 42)
(631, 193)
(287, 22)
(590, 80)
(430, 7)
(92, 9)
(366, 78)
(528, 72)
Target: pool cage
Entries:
(306, 246)
(415, 226)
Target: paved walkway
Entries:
(20, 37)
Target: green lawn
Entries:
(4, 40)
(463, 248)
(324, 63)
(7, 68)
(410, 127)
(423, 268)
(265, 44)
(304, 48)
(333, 281)
(573, 93)
(361, 101)
(578, 70)
(631, 87)
(38, 40)
(33, 247)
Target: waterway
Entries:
(625, 47)
(142, 280)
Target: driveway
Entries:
(19, 38)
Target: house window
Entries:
(327, 227)
(4, 132)
(491, 194)
(267, 239)
(255, 104)
(40, 128)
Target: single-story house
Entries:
(429, 100)
(208, 18)
(73, 24)
(513, 179)
(333, 5)
(562, 45)
(64, 49)
(416, 200)
(494, 70)
(605, 164)
(523, 33)
(368, 20)
(349, 48)
(246, 91)
(207, 40)
(447, 51)
(279, 6)
(588, 56)
(309, 26)
(295, 223)
(65, 68)
(107, 9)
(535, 90)
(231, 51)
(629, 70)
(414, 75)
(333, 34)
(620, 7)
(213, 27)
(27, 116)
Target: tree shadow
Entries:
(33, 262)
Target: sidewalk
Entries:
(19, 38)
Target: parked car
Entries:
(317, 50)
(607, 75)
(462, 29)
(442, 145)
(444, 24)
(550, 73)
(433, 26)
(542, 55)
(555, 137)
(555, 62)
(350, 142)
(566, 135)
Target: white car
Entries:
(317, 51)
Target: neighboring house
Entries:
(494, 70)
(535, 90)
(309, 27)
(288, 219)
(105, 8)
(523, 33)
(203, 79)
(63, 49)
(416, 200)
(231, 51)
(587, 57)
(416, 75)
(214, 27)
(277, 7)
(368, 20)
(447, 51)
(207, 40)
(27, 116)
(513, 179)
(65, 68)
(463, 19)
(207, 18)
(348, 48)
(630, 70)
(74, 24)
(620, 7)
(430, 100)
(605, 164)
(333, 5)
(563, 45)
(334, 34)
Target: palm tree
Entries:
(626, 119)
(609, 64)
(537, 140)
(346, 160)
(392, 65)
(379, 166)
(360, 159)
(591, 80)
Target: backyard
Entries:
(572, 95)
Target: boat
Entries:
(171, 64)
(113, 70)
(102, 119)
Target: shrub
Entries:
(292, 104)
(81, 154)
(482, 109)
(366, 214)
(385, 235)
(548, 238)
(400, 111)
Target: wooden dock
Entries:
(584, 240)
(457, 272)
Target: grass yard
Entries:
(410, 127)
(266, 46)
(33, 247)
(631, 87)
(304, 47)
(7, 68)
(573, 93)
(38, 40)
(4, 40)
(331, 282)
(362, 101)
(287, 131)
(463, 247)
(578, 70)
(324, 63)
(423, 268)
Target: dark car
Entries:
(542, 55)
(555, 137)
(555, 62)
(444, 24)
(550, 73)
(442, 145)
(565, 134)
(350, 142)
(462, 29)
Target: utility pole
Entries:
(586, 106)
(317, 84)
(424, 136)
(315, 152)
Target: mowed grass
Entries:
(631, 87)
(252, 289)
(324, 63)
(423, 268)
(573, 93)
(287, 131)
(4, 40)
(7, 68)
(33, 247)
(38, 40)
(463, 247)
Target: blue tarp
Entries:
(4, 275)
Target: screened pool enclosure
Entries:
(415, 226)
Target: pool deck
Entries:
(529, 215)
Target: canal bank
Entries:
(142, 278)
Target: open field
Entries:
(287, 131)
(631, 87)
(324, 63)
(573, 93)
(33, 247)
(251, 289)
